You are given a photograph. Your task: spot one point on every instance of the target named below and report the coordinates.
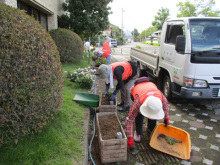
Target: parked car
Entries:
(113, 43)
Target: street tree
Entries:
(160, 18)
(206, 8)
(198, 8)
(186, 9)
(86, 18)
(116, 32)
(135, 33)
(148, 31)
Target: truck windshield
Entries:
(205, 37)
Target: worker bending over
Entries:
(125, 73)
(148, 102)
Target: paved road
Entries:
(200, 118)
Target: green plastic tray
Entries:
(88, 99)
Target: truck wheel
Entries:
(140, 72)
(167, 87)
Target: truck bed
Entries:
(146, 58)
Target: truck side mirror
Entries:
(180, 44)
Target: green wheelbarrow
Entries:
(87, 99)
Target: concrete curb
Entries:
(86, 137)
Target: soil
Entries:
(106, 100)
(170, 145)
(107, 122)
(95, 150)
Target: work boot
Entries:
(137, 138)
(120, 104)
(124, 108)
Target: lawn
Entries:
(60, 142)
(154, 44)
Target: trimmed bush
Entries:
(69, 45)
(31, 76)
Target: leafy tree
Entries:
(199, 8)
(135, 33)
(86, 18)
(116, 31)
(161, 16)
(186, 9)
(149, 31)
(206, 8)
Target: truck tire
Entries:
(140, 72)
(167, 87)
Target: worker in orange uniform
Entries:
(148, 101)
(125, 73)
(105, 52)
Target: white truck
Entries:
(187, 63)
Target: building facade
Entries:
(44, 11)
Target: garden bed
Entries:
(111, 149)
(105, 105)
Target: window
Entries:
(172, 32)
(37, 14)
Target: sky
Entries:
(140, 14)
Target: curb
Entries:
(86, 138)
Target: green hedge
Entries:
(69, 44)
(31, 76)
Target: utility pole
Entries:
(122, 22)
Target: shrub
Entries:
(101, 60)
(69, 45)
(31, 77)
(84, 77)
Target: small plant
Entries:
(170, 141)
(101, 60)
(84, 77)
(113, 51)
(138, 47)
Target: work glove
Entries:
(166, 122)
(130, 142)
(113, 97)
(107, 89)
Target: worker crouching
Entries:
(148, 102)
(125, 73)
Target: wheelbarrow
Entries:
(171, 140)
(87, 99)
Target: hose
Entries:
(93, 131)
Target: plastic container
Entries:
(181, 147)
(88, 99)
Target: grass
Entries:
(154, 44)
(60, 142)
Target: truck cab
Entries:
(189, 58)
